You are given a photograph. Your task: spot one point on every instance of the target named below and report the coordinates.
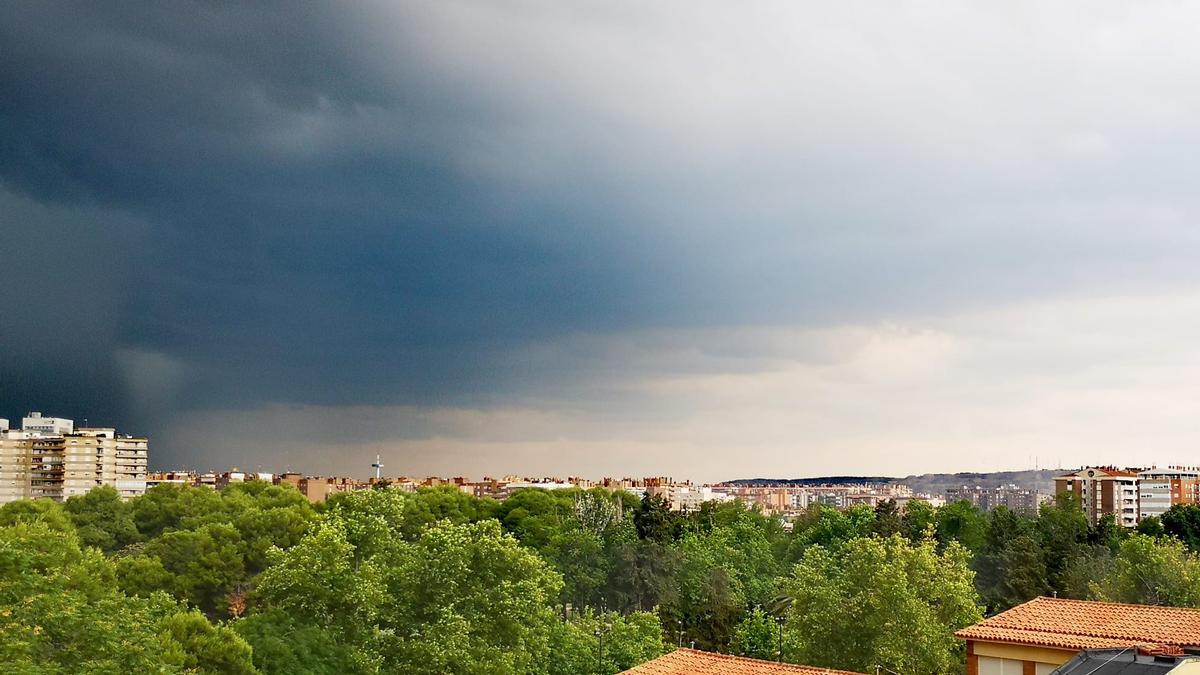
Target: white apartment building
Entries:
(49, 458)
(1160, 489)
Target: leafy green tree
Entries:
(596, 510)
(1003, 526)
(642, 575)
(60, 612)
(320, 583)
(208, 648)
(143, 575)
(1151, 526)
(373, 520)
(204, 566)
(961, 521)
(467, 599)
(1183, 522)
(1152, 571)
(919, 520)
(830, 528)
(1085, 572)
(535, 516)
(723, 572)
(1010, 568)
(888, 518)
(168, 506)
(373, 517)
(579, 555)
(42, 511)
(628, 640)
(1062, 530)
(102, 519)
(655, 521)
(1106, 533)
(431, 505)
(284, 646)
(756, 636)
(1023, 573)
(261, 529)
(881, 602)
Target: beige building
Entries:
(1103, 490)
(51, 458)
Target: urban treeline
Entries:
(254, 578)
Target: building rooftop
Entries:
(696, 662)
(1082, 624)
(1101, 472)
(1120, 662)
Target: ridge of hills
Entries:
(931, 483)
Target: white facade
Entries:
(49, 458)
(991, 665)
(47, 426)
(1159, 489)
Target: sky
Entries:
(707, 240)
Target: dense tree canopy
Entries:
(880, 602)
(253, 578)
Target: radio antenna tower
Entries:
(377, 466)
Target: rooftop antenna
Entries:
(377, 466)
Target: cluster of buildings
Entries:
(792, 499)
(51, 458)
(1013, 497)
(1130, 495)
(783, 500)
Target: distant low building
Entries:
(1012, 497)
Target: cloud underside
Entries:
(1048, 383)
(693, 239)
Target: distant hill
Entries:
(938, 483)
(930, 483)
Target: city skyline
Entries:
(708, 240)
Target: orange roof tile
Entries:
(1083, 624)
(695, 662)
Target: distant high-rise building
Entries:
(1103, 490)
(1160, 489)
(49, 458)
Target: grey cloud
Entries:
(455, 203)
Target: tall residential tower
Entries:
(49, 457)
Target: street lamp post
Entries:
(600, 654)
(779, 622)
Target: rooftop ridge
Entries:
(1099, 621)
(696, 662)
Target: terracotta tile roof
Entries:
(1082, 624)
(695, 662)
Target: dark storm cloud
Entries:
(308, 236)
(214, 205)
